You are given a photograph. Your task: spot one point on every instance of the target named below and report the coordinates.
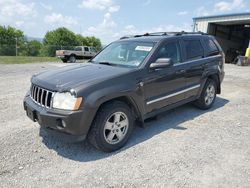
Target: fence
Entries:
(32, 50)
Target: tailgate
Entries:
(60, 52)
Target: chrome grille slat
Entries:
(33, 92)
(37, 94)
(41, 96)
(46, 98)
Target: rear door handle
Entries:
(206, 65)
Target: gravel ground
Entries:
(185, 147)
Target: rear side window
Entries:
(211, 47)
(194, 49)
(86, 49)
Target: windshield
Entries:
(126, 53)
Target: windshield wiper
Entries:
(106, 63)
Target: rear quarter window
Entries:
(194, 49)
(211, 47)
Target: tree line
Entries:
(13, 42)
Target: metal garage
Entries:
(232, 31)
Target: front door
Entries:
(164, 86)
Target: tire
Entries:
(64, 60)
(111, 127)
(72, 59)
(208, 95)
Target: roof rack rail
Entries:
(145, 35)
(164, 34)
(191, 33)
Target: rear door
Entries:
(86, 51)
(194, 64)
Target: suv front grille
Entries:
(41, 96)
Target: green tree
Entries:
(33, 48)
(89, 41)
(58, 39)
(9, 38)
(82, 41)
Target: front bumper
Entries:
(68, 123)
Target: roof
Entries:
(223, 15)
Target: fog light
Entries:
(61, 124)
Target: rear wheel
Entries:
(72, 59)
(208, 95)
(111, 127)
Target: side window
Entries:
(78, 49)
(93, 49)
(170, 50)
(194, 49)
(211, 47)
(86, 49)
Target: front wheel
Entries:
(207, 96)
(111, 127)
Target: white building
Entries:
(232, 30)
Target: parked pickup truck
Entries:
(80, 52)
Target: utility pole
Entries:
(16, 47)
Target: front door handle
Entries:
(180, 71)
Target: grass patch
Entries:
(26, 59)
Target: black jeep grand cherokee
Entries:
(134, 78)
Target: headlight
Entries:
(66, 101)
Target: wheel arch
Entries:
(127, 100)
(215, 77)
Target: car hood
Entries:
(71, 77)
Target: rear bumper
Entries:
(61, 56)
(70, 124)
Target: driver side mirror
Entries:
(161, 63)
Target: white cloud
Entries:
(201, 11)
(17, 13)
(146, 3)
(224, 6)
(60, 20)
(108, 29)
(19, 23)
(108, 5)
(104, 30)
(108, 21)
(12, 8)
(182, 13)
(46, 7)
(114, 8)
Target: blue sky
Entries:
(111, 19)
